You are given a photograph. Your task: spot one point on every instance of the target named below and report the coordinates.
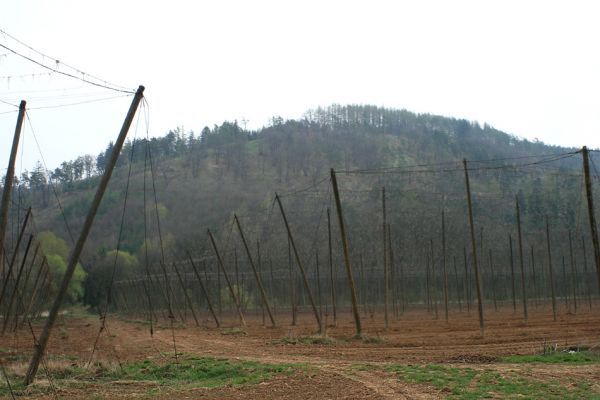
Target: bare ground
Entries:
(331, 370)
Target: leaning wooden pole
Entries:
(300, 266)
(474, 246)
(338, 206)
(235, 298)
(8, 273)
(186, 294)
(263, 295)
(523, 287)
(7, 315)
(8, 180)
(206, 296)
(87, 225)
(591, 212)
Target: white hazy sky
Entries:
(530, 68)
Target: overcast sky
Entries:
(529, 68)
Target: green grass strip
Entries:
(467, 383)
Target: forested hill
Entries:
(200, 179)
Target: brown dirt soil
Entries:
(416, 338)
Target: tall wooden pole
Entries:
(434, 280)
(300, 266)
(338, 206)
(186, 294)
(392, 269)
(263, 295)
(585, 274)
(331, 270)
(491, 261)
(573, 272)
(512, 273)
(8, 180)
(16, 288)
(14, 255)
(292, 279)
(386, 283)
(535, 289)
(444, 264)
(467, 286)
(565, 290)
(458, 294)
(474, 247)
(550, 269)
(236, 300)
(591, 212)
(523, 288)
(206, 296)
(87, 225)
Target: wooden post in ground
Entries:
(293, 301)
(535, 290)
(444, 264)
(34, 291)
(551, 273)
(393, 278)
(585, 274)
(185, 293)
(263, 295)
(467, 288)
(493, 280)
(40, 347)
(434, 280)
(236, 300)
(206, 296)
(458, 294)
(301, 267)
(386, 282)
(565, 286)
(363, 291)
(474, 246)
(259, 262)
(318, 279)
(14, 255)
(512, 273)
(591, 212)
(338, 206)
(8, 180)
(331, 270)
(573, 272)
(16, 288)
(523, 287)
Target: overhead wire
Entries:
(100, 82)
(80, 102)
(61, 208)
(8, 103)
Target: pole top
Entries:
(22, 105)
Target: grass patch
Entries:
(313, 339)
(561, 357)
(190, 372)
(372, 339)
(201, 372)
(467, 383)
(233, 331)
